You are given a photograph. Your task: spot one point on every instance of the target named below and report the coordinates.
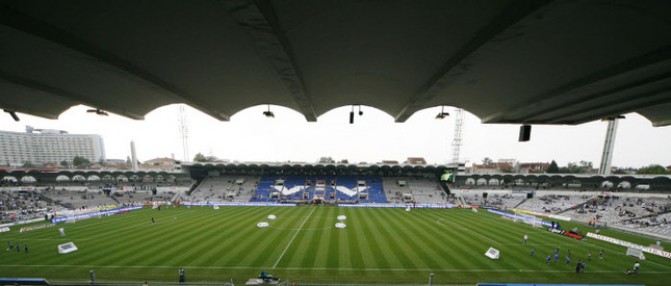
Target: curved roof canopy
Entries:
(506, 61)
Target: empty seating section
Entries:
(348, 189)
(415, 190)
(427, 192)
(223, 189)
(264, 189)
(375, 191)
(395, 190)
(554, 203)
(494, 200)
(77, 199)
(343, 189)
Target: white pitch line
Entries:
(292, 239)
(448, 270)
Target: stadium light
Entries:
(269, 114)
(442, 113)
(12, 113)
(98, 111)
(610, 118)
(525, 133)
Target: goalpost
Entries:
(635, 253)
(528, 219)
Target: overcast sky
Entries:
(373, 137)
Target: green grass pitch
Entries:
(379, 245)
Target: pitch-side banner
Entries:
(552, 216)
(566, 233)
(650, 250)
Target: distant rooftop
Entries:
(30, 129)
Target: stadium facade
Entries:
(44, 146)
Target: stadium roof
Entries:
(507, 61)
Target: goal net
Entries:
(528, 219)
(635, 253)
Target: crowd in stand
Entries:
(19, 205)
(641, 213)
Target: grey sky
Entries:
(373, 137)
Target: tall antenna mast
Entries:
(184, 132)
(457, 140)
(609, 143)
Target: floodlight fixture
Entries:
(98, 111)
(268, 113)
(610, 118)
(12, 113)
(525, 133)
(442, 113)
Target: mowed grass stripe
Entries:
(365, 247)
(89, 248)
(405, 254)
(368, 243)
(211, 230)
(300, 244)
(249, 236)
(545, 242)
(265, 245)
(156, 239)
(550, 241)
(304, 247)
(328, 241)
(455, 216)
(344, 250)
(196, 243)
(378, 244)
(351, 253)
(467, 250)
(164, 239)
(232, 228)
(462, 247)
(458, 249)
(335, 247)
(503, 233)
(416, 239)
(308, 245)
(435, 238)
(171, 243)
(496, 237)
(321, 224)
(360, 244)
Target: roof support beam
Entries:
(612, 107)
(544, 99)
(259, 20)
(595, 96)
(19, 21)
(514, 13)
(66, 96)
